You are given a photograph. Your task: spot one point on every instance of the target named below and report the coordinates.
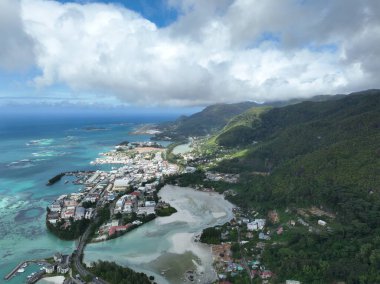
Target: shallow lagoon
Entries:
(165, 247)
(33, 150)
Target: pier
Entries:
(14, 271)
(21, 264)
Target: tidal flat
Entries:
(165, 247)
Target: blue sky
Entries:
(156, 11)
(184, 53)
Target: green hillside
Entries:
(205, 122)
(214, 117)
(240, 129)
(323, 154)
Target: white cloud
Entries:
(216, 51)
(16, 47)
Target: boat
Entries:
(66, 182)
(24, 265)
(20, 270)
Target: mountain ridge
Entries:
(214, 117)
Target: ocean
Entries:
(35, 147)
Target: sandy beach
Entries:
(52, 280)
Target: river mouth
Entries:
(165, 247)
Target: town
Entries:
(129, 191)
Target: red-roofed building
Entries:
(112, 230)
(266, 274)
(136, 193)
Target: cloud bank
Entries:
(215, 51)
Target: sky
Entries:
(185, 53)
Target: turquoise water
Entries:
(32, 150)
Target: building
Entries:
(50, 269)
(266, 274)
(120, 184)
(55, 206)
(150, 204)
(255, 225)
(190, 169)
(89, 213)
(111, 197)
(79, 213)
(62, 268)
(70, 202)
(68, 212)
(112, 230)
(129, 206)
(92, 179)
(145, 210)
(264, 237)
(322, 223)
(58, 257)
(53, 217)
(292, 282)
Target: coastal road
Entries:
(79, 252)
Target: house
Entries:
(53, 217)
(150, 203)
(255, 225)
(111, 197)
(322, 223)
(292, 282)
(50, 269)
(136, 193)
(280, 230)
(129, 207)
(266, 274)
(262, 236)
(112, 230)
(190, 170)
(142, 189)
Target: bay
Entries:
(33, 149)
(165, 247)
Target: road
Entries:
(79, 252)
(244, 261)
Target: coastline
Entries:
(167, 246)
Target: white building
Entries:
(150, 204)
(63, 268)
(55, 206)
(120, 184)
(255, 225)
(89, 213)
(50, 269)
